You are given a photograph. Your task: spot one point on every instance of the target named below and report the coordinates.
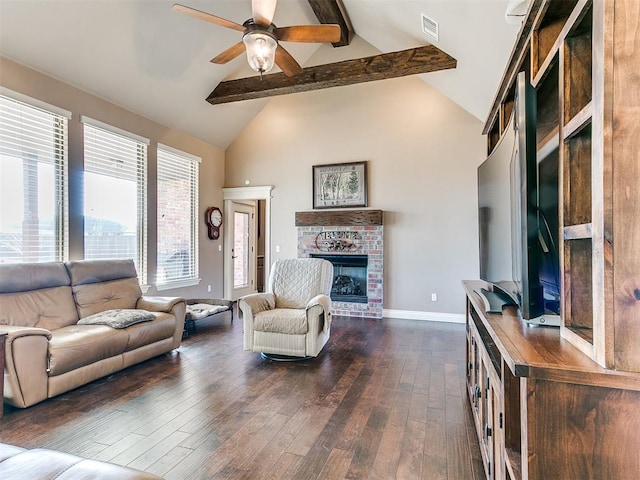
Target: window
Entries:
(177, 222)
(33, 180)
(115, 172)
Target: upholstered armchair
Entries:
(293, 317)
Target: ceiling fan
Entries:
(261, 37)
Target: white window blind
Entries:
(33, 182)
(177, 222)
(115, 173)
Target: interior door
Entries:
(243, 245)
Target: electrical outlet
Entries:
(277, 248)
(209, 288)
(219, 248)
(434, 297)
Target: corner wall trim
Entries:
(427, 316)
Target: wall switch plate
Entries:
(434, 297)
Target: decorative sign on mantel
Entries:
(337, 241)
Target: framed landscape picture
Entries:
(340, 185)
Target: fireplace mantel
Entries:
(339, 218)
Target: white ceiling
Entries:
(143, 56)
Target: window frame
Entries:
(142, 184)
(58, 143)
(165, 153)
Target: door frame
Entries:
(238, 194)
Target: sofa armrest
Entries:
(17, 331)
(176, 306)
(26, 364)
(317, 306)
(158, 304)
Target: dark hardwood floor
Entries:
(384, 400)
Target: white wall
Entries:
(36, 85)
(423, 151)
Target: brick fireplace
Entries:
(341, 237)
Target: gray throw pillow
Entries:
(118, 317)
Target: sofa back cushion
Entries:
(36, 295)
(100, 285)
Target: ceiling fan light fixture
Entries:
(261, 50)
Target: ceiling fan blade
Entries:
(309, 33)
(286, 62)
(207, 17)
(229, 54)
(263, 11)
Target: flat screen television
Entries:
(518, 219)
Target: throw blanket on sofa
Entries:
(118, 318)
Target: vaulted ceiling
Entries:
(142, 55)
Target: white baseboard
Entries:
(427, 316)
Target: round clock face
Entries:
(216, 217)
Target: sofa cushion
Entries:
(141, 334)
(78, 345)
(23, 277)
(118, 318)
(98, 297)
(281, 320)
(84, 272)
(49, 308)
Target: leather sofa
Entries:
(39, 464)
(47, 351)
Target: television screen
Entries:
(497, 217)
(518, 219)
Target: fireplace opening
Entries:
(349, 277)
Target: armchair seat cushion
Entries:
(289, 321)
(78, 345)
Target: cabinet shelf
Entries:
(548, 144)
(577, 60)
(577, 232)
(579, 121)
(585, 333)
(514, 464)
(546, 38)
(547, 110)
(577, 178)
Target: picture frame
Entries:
(340, 185)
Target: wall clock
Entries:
(213, 219)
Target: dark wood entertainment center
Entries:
(564, 403)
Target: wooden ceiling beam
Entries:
(378, 67)
(333, 11)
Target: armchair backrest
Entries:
(295, 281)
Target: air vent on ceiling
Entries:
(430, 26)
